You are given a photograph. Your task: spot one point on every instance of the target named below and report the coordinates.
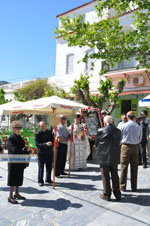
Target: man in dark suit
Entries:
(145, 133)
(108, 155)
(44, 141)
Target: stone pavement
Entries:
(74, 201)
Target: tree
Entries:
(38, 89)
(111, 43)
(3, 100)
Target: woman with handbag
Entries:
(15, 146)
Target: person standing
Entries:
(80, 145)
(142, 145)
(61, 151)
(131, 137)
(123, 120)
(138, 120)
(15, 146)
(108, 154)
(44, 140)
(1, 147)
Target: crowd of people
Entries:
(122, 144)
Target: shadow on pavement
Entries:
(59, 204)
(144, 190)
(76, 186)
(142, 200)
(88, 169)
(28, 190)
(86, 177)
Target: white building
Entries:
(9, 89)
(67, 68)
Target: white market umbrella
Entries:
(10, 107)
(145, 102)
(45, 106)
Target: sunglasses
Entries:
(17, 127)
(63, 119)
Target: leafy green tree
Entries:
(82, 91)
(3, 100)
(18, 97)
(111, 42)
(33, 90)
(37, 89)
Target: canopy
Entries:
(145, 102)
(43, 106)
(9, 107)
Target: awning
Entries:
(145, 102)
(134, 92)
(124, 73)
(125, 93)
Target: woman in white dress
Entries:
(80, 146)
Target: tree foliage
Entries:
(37, 89)
(111, 41)
(3, 100)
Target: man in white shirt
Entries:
(63, 137)
(131, 137)
(123, 120)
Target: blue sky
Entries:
(27, 43)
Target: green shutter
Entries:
(118, 110)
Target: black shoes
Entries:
(104, 197)
(41, 184)
(12, 201)
(134, 189)
(49, 181)
(19, 197)
(144, 166)
(118, 198)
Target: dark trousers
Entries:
(129, 154)
(91, 142)
(105, 172)
(61, 154)
(142, 147)
(47, 161)
(140, 156)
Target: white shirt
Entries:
(131, 132)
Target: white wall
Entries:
(67, 80)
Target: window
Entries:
(135, 80)
(89, 61)
(125, 106)
(3, 118)
(83, 15)
(69, 63)
(124, 64)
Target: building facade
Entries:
(67, 66)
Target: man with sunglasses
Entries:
(63, 137)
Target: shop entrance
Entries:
(125, 106)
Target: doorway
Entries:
(125, 106)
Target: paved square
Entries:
(74, 201)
